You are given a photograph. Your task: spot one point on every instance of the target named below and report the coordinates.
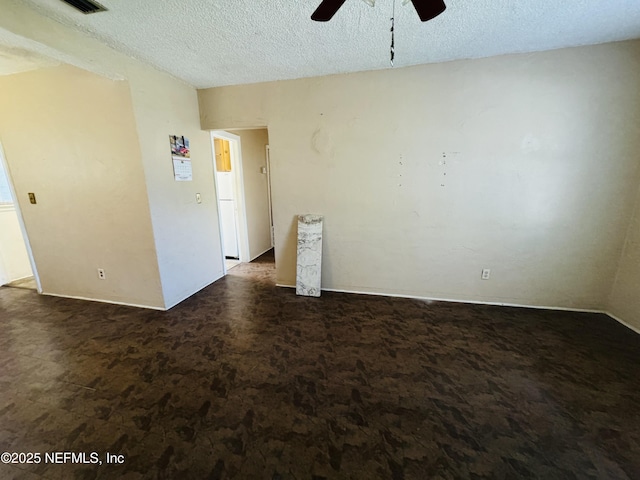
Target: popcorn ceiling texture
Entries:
(211, 43)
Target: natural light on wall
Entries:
(5, 191)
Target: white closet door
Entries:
(229, 232)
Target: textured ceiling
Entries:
(224, 42)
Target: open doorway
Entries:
(16, 261)
(244, 193)
(229, 190)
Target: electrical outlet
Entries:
(101, 274)
(486, 273)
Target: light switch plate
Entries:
(198, 198)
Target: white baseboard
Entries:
(113, 302)
(451, 300)
(413, 297)
(4, 283)
(21, 278)
(477, 302)
(619, 320)
(473, 302)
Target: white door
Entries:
(225, 186)
(230, 194)
(228, 214)
(273, 240)
(229, 232)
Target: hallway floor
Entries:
(231, 262)
(246, 380)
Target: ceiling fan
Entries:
(427, 9)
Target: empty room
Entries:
(319, 239)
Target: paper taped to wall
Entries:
(181, 156)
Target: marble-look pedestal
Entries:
(309, 255)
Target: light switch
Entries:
(198, 198)
(263, 169)
(32, 198)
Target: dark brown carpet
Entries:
(245, 380)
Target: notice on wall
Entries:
(181, 157)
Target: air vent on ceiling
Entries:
(86, 6)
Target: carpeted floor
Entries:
(245, 380)
(231, 262)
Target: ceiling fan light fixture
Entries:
(426, 9)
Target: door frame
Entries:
(272, 232)
(23, 229)
(235, 150)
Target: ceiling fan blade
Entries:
(327, 10)
(428, 9)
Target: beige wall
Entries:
(70, 137)
(256, 194)
(541, 169)
(14, 260)
(624, 302)
(186, 240)
(187, 236)
(523, 164)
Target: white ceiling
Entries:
(224, 42)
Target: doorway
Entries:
(271, 229)
(230, 194)
(243, 188)
(227, 196)
(17, 268)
